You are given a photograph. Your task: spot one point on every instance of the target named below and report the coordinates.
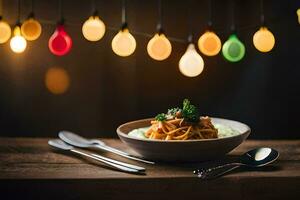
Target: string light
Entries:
(18, 43)
(233, 49)
(31, 29)
(263, 39)
(209, 43)
(159, 47)
(93, 29)
(123, 44)
(60, 43)
(191, 63)
(5, 31)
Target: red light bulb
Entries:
(60, 42)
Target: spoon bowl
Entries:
(259, 157)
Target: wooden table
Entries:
(30, 169)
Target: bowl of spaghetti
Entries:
(182, 135)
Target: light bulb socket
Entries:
(95, 13)
(159, 29)
(31, 15)
(124, 26)
(190, 38)
(61, 21)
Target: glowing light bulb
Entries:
(298, 13)
(191, 63)
(263, 40)
(31, 29)
(123, 44)
(209, 43)
(93, 29)
(18, 43)
(159, 47)
(57, 80)
(233, 49)
(5, 31)
(60, 43)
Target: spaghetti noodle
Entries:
(181, 124)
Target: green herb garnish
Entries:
(190, 112)
(173, 111)
(161, 117)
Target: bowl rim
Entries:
(121, 134)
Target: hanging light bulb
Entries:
(123, 44)
(233, 49)
(264, 40)
(60, 43)
(5, 31)
(17, 42)
(209, 43)
(31, 29)
(93, 28)
(159, 47)
(191, 63)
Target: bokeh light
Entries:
(57, 80)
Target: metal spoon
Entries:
(109, 162)
(255, 158)
(82, 142)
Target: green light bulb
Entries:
(233, 49)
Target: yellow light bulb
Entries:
(5, 31)
(18, 43)
(263, 40)
(191, 63)
(93, 29)
(123, 44)
(31, 29)
(159, 47)
(209, 44)
(298, 13)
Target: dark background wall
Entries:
(106, 90)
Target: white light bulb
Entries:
(123, 44)
(18, 43)
(191, 63)
(93, 29)
(159, 47)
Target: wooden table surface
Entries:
(30, 169)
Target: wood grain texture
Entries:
(31, 169)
